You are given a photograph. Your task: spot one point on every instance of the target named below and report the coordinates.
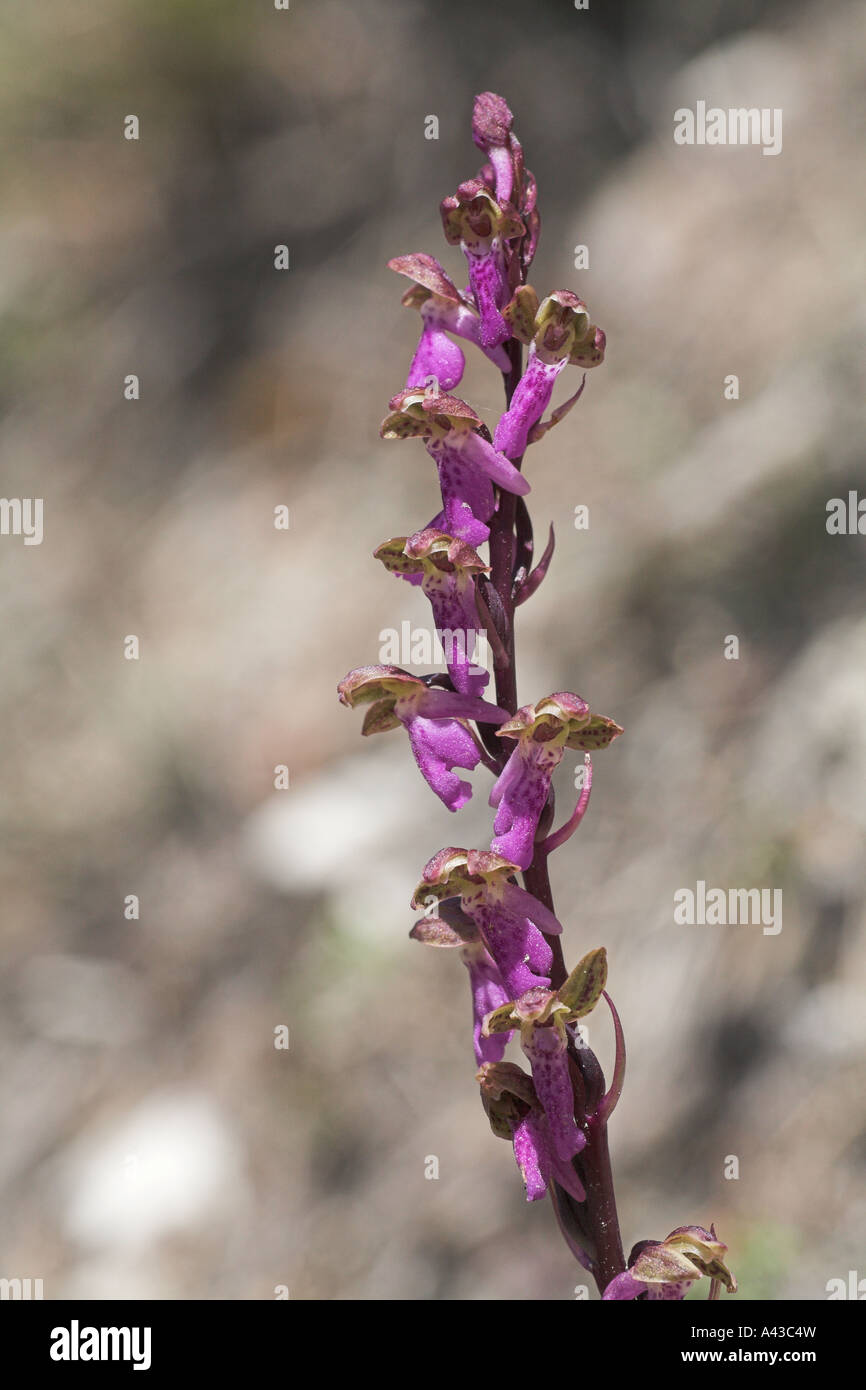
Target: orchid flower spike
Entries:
(508, 936)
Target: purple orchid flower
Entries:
(468, 464)
(558, 333)
(542, 733)
(506, 177)
(434, 720)
(492, 133)
(446, 567)
(488, 993)
(546, 1046)
(516, 942)
(443, 310)
(511, 921)
(542, 1015)
(453, 928)
(511, 1101)
(666, 1269)
(473, 220)
(539, 1159)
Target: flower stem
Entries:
(598, 1214)
(502, 554)
(601, 1202)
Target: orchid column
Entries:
(508, 935)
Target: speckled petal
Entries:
(440, 745)
(530, 1151)
(489, 282)
(528, 404)
(547, 1051)
(521, 795)
(436, 356)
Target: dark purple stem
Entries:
(598, 1215)
(502, 555)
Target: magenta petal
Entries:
(450, 704)
(509, 775)
(624, 1286)
(521, 797)
(440, 745)
(517, 900)
(530, 1151)
(519, 949)
(465, 323)
(454, 612)
(488, 993)
(436, 356)
(490, 287)
(467, 493)
(528, 404)
(494, 464)
(503, 167)
(676, 1292)
(538, 1162)
(547, 1052)
(458, 518)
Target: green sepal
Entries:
(582, 990)
(520, 312)
(380, 718)
(598, 732)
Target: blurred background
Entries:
(155, 1142)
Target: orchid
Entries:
(666, 1269)
(513, 923)
(468, 464)
(435, 720)
(506, 932)
(473, 220)
(453, 928)
(445, 566)
(542, 733)
(542, 1015)
(443, 310)
(515, 1112)
(558, 333)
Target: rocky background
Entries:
(155, 1144)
